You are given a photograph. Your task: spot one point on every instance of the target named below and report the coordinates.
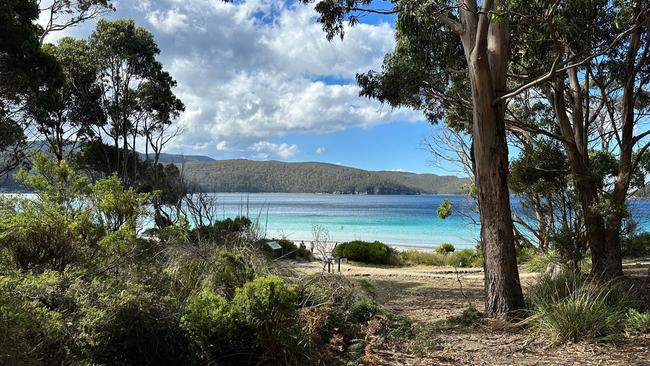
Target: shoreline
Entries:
(401, 247)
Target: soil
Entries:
(430, 296)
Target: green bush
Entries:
(464, 258)
(211, 324)
(289, 249)
(469, 316)
(569, 308)
(367, 252)
(139, 327)
(638, 322)
(222, 231)
(445, 248)
(230, 270)
(30, 332)
(363, 309)
(258, 326)
(637, 245)
(525, 254)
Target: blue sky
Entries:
(260, 81)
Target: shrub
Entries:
(30, 332)
(540, 261)
(210, 322)
(445, 248)
(266, 309)
(415, 257)
(569, 308)
(139, 327)
(289, 249)
(637, 322)
(469, 316)
(222, 231)
(464, 258)
(367, 252)
(230, 270)
(525, 254)
(363, 309)
(637, 246)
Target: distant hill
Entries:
(242, 175)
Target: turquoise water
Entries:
(409, 220)
(398, 220)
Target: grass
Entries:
(571, 309)
(462, 258)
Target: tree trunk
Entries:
(502, 286)
(486, 46)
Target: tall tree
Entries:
(463, 77)
(135, 91)
(596, 99)
(24, 68)
(64, 113)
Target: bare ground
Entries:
(429, 296)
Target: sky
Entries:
(260, 81)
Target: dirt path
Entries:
(430, 296)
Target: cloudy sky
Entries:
(260, 81)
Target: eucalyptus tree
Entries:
(598, 101)
(454, 55)
(65, 113)
(134, 89)
(62, 14)
(23, 69)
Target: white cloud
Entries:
(257, 70)
(320, 150)
(267, 150)
(168, 21)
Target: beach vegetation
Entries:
(367, 252)
(570, 307)
(445, 248)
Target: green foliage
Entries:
(465, 258)
(221, 232)
(416, 257)
(30, 333)
(540, 261)
(469, 316)
(636, 245)
(445, 248)
(211, 323)
(367, 252)
(363, 309)
(445, 209)
(568, 247)
(462, 258)
(231, 271)
(637, 322)
(541, 168)
(117, 206)
(258, 324)
(569, 308)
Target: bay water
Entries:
(397, 220)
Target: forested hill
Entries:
(273, 176)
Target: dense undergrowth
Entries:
(80, 284)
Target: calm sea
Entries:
(398, 220)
